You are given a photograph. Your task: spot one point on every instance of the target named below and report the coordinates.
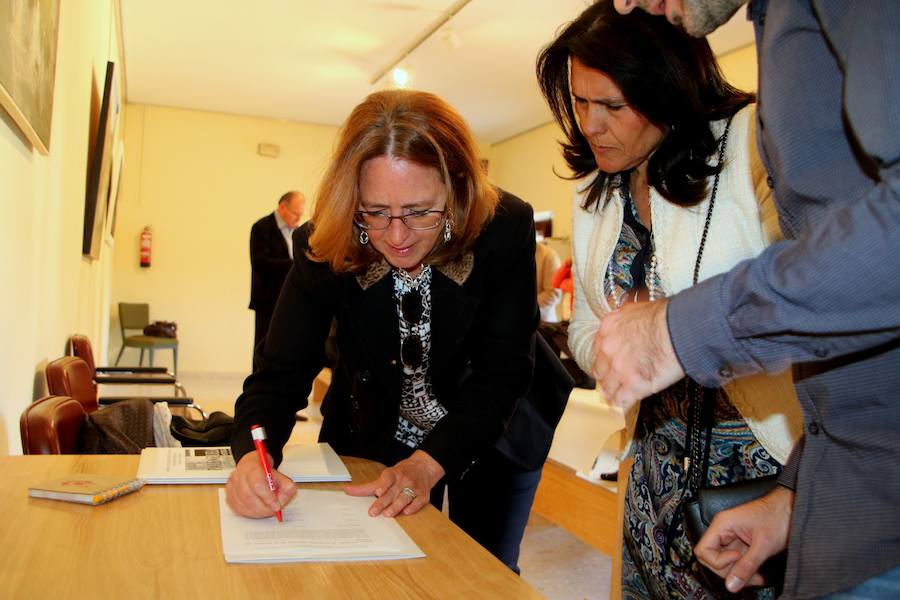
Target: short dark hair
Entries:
(666, 75)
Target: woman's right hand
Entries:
(247, 491)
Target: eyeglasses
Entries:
(418, 220)
(411, 349)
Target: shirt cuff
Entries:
(701, 336)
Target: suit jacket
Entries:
(484, 315)
(269, 263)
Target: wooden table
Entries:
(164, 542)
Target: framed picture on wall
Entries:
(100, 166)
(115, 186)
(28, 33)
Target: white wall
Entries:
(50, 290)
(196, 178)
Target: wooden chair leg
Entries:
(151, 356)
(119, 357)
(615, 585)
(174, 360)
(141, 361)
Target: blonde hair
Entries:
(414, 126)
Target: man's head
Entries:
(290, 207)
(697, 17)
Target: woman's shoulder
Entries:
(509, 229)
(512, 207)
(312, 271)
(511, 217)
(741, 125)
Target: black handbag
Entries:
(215, 430)
(710, 501)
(702, 503)
(166, 329)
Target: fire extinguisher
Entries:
(146, 243)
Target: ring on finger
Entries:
(409, 493)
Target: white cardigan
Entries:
(739, 229)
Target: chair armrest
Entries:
(132, 370)
(174, 400)
(147, 379)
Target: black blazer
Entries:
(484, 317)
(269, 263)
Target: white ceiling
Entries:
(312, 60)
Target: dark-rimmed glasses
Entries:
(411, 350)
(418, 220)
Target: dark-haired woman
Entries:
(661, 146)
(428, 271)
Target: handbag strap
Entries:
(703, 400)
(702, 406)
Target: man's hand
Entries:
(404, 488)
(633, 355)
(740, 540)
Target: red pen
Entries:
(259, 440)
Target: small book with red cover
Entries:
(86, 488)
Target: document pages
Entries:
(302, 463)
(319, 526)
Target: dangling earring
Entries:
(363, 237)
(447, 230)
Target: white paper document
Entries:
(302, 463)
(319, 526)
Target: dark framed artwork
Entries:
(115, 186)
(28, 34)
(100, 166)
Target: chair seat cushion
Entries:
(147, 341)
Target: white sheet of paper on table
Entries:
(319, 526)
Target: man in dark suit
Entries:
(271, 256)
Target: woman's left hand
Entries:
(404, 488)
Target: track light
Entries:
(402, 75)
(404, 54)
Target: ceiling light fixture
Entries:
(402, 75)
(404, 54)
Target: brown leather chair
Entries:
(51, 425)
(71, 376)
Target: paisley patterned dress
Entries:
(657, 557)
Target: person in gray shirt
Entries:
(825, 301)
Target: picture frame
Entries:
(100, 167)
(115, 186)
(28, 39)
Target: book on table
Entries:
(301, 462)
(319, 526)
(85, 488)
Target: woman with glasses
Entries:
(662, 147)
(428, 271)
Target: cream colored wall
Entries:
(196, 178)
(50, 290)
(739, 67)
(527, 166)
